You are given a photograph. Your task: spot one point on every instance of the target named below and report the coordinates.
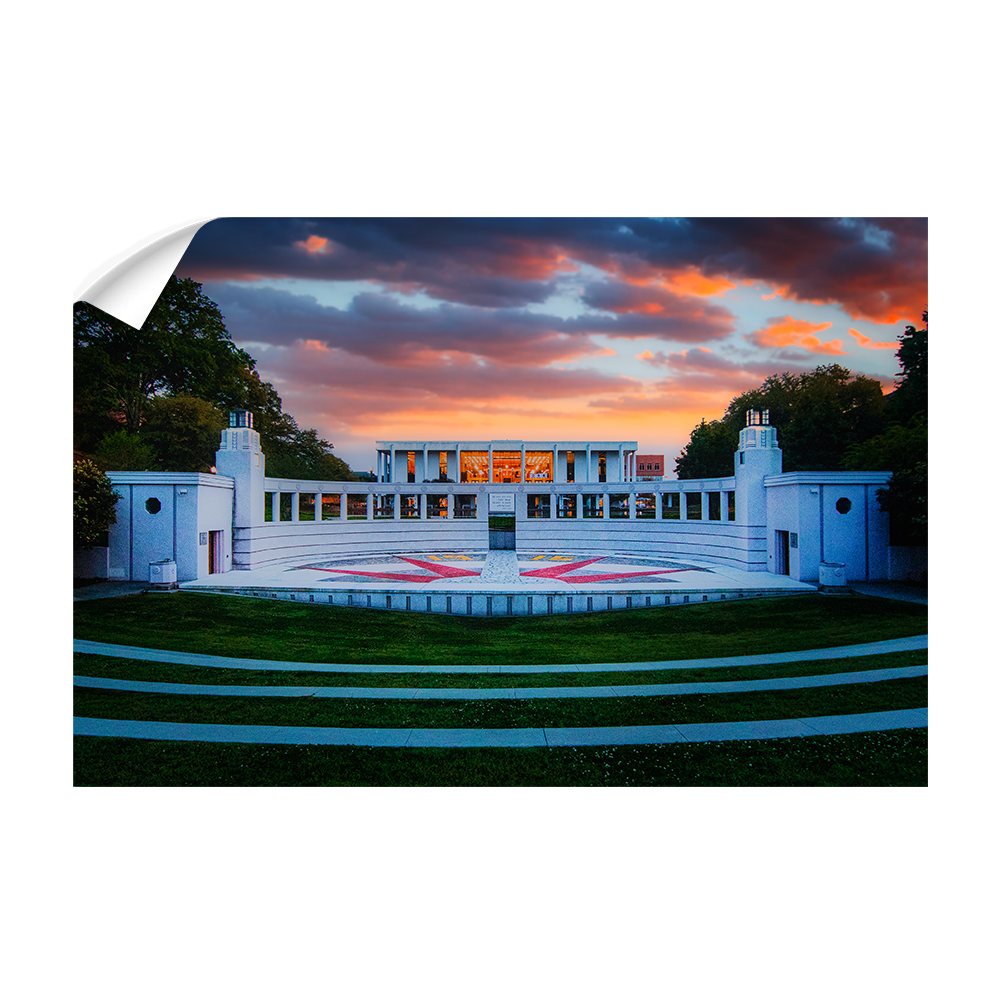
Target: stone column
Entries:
(368, 507)
(295, 506)
(276, 506)
(343, 506)
(579, 505)
(318, 506)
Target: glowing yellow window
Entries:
(538, 466)
(475, 467)
(506, 466)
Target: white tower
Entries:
(239, 456)
(758, 456)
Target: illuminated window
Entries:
(539, 505)
(566, 505)
(538, 466)
(570, 467)
(465, 505)
(506, 466)
(411, 466)
(475, 466)
(437, 505)
(442, 465)
(602, 466)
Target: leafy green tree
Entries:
(897, 449)
(182, 348)
(184, 432)
(123, 451)
(910, 397)
(171, 383)
(819, 415)
(905, 443)
(905, 501)
(709, 452)
(291, 453)
(94, 500)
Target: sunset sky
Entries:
(571, 329)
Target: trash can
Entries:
(163, 575)
(832, 574)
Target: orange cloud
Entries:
(788, 332)
(683, 282)
(873, 345)
(315, 244)
(694, 283)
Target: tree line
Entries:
(832, 419)
(157, 398)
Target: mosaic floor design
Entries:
(526, 568)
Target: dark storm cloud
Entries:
(876, 268)
(379, 326)
(440, 385)
(642, 311)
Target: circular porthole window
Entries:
(153, 505)
(843, 505)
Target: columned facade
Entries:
(508, 461)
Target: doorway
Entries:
(503, 534)
(781, 553)
(216, 552)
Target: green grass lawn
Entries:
(897, 758)
(122, 668)
(395, 713)
(260, 629)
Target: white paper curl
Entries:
(130, 289)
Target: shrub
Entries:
(94, 500)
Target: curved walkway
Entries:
(543, 737)
(827, 725)
(470, 694)
(238, 663)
